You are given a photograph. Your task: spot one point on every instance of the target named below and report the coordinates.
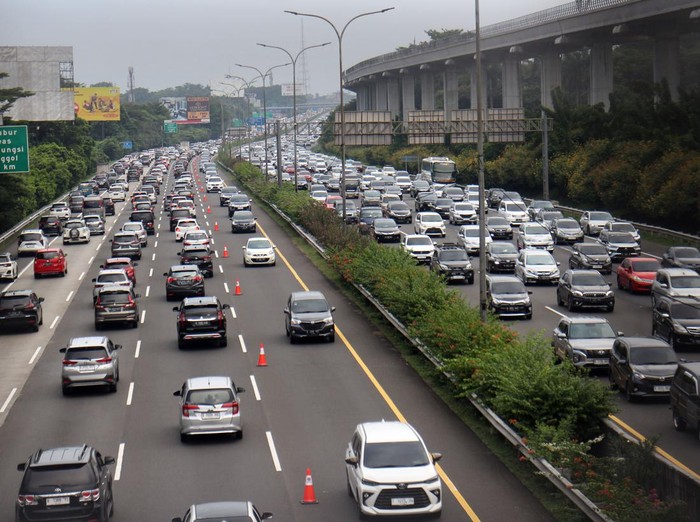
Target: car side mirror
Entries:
(176, 308)
(108, 460)
(225, 306)
(610, 285)
(240, 389)
(117, 346)
(62, 350)
(165, 273)
(436, 456)
(266, 515)
(558, 263)
(351, 460)
(244, 247)
(22, 467)
(665, 314)
(110, 240)
(177, 393)
(286, 310)
(332, 308)
(620, 334)
(40, 300)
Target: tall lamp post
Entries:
(480, 161)
(263, 75)
(223, 132)
(237, 89)
(294, 96)
(340, 35)
(246, 85)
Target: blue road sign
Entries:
(127, 145)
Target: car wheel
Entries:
(570, 304)
(223, 342)
(560, 301)
(65, 391)
(292, 338)
(184, 438)
(331, 338)
(611, 307)
(678, 422)
(181, 344)
(113, 388)
(36, 276)
(628, 392)
(238, 435)
(528, 316)
(135, 324)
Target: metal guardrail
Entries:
(576, 496)
(524, 22)
(14, 230)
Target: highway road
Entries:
(298, 412)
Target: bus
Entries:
(439, 169)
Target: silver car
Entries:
(110, 277)
(116, 304)
(90, 361)
(209, 405)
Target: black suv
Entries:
(51, 225)
(201, 319)
(147, 218)
(685, 397)
(677, 321)
(21, 308)
(70, 483)
(590, 255)
(200, 256)
(642, 367)
(584, 289)
(451, 261)
(501, 256)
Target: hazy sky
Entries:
(172, 42)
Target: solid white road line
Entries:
(70, 294)
(273, 451)
(36, 354)
(120, 461)
(138, 349)
(80, 277)
(255, 387)
(143, 316)
(130, 395)
(54, 322)
(8, 400)
(148, 290)
(240, 340)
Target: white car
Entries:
(8, 266)
(419, 246)
(390, 471)
(469, 238)
(537, 266)
(259, 251)
(75, 231)
(514, 211)
(139, 229)
(214, 184)
(429, 223)
(117, 276)
(60, 210)
(319, 195)
(196, 238)
(30, 241)
(184, 225)
(117, 194)
(534, 235)
(462, 212)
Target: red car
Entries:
(124, 263)
(636, 274)
(50, 261)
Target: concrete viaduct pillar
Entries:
(381, 96)
(512, 97)
(450, 91)
(427, 90)
(601, 74)
(408, 94)
(550, 76)
(362, 98)
(393, 96)
(484, 86)
(667, 63)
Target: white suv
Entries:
(390, 471)
(429, 223)
(419, 246)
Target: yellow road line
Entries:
(629, 429)
(392, 406)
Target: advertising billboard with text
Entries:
(187, 110)
(97, 103)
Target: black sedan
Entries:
(183, 281)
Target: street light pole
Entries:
(480, 161)
(294, 96)
(264, 100)
(246, 85)
(340, 35)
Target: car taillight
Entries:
(187, 408)
(99, 305)
(182, 319)
(177, 229)
(30, 306)
(233, 406)
(198, 278)
(130, 304)
(104, 360)
(90, 494)
(69, 362)
(26, 500)
(220, 318)
(206, 258)
(171, 280)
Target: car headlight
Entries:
(530, 271)
(366, 482)
(679, 328)
(295, 321)
(444, 267)
(609, 293)
(577, 293)
(328, 320)
(638, 376)
(431, 480)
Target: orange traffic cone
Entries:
(262, 360)
(238, 288)
(225, 254)
(216, 226)
(208, 209)
(309, 494)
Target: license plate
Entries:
(402, 501)
(201, 323)
(662, 389)
(87, 368)
(596, 266)
(210, 415)
(57, 501)
(600, 361)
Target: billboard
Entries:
(187, 110)
(97, 103)
(288, 89)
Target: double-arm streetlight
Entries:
(246, 85)
(223, 129)
(340, 35)
(294, 96)
(263, 75)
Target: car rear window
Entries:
(30, 237)
(15, 301)
(201, 309)
(47, 255)
(142, 216)
(70, 476)
(114, 297)
(86, 353)
(215, 396)
(111, 278)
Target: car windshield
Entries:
(453, 255)
(86, 353)
(592, 249)
(536, 230)
(653, 355)
(507, 287)
(384, 223)
(259, 243)
(685, 311)
(210, 396)
(623, 227)
(395, 455)
(687, 252)
(5, 258)
(600, 216)
(549, 216)
(465, 207)
(497, 221)
(685, 282)
(431, 218)
(515, 207)
(398, 206)
(470, 232)
(567, 224)
(419, 241)
(591, 331)
(243, 214)
(503, 248)
(309, 306)
(539, 259)
(592, 278)
(651, 265)
(239, 199)
(621, 237)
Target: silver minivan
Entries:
(90, 361)
(209, 405)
